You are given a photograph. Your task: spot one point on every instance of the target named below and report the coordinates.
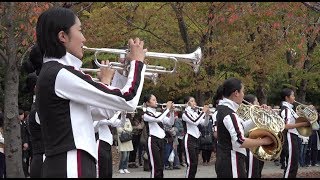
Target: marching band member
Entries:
(65, 94)
(231, 152)
(104, 143)
(216, 99)
(290, 133)
(191, 139)
(154, 124)
(34, 122)
(254, 165)
(105, 137)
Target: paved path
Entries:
(269, 170)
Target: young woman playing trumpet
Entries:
(154, 123)
(192, 118)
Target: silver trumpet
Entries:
(148, 75)
(193, 59)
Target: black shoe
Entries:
(176, 167)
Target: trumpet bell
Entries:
(305, 131)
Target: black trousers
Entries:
(254, 165)
(191, 146)
(72, 164)
(135, 143)
(2, 166)
(292, 158)
(104, 159)
(230, 164)
(206, 155)
(181, 150)
(25, 162)
(284, 151)
(156, 151)
(36, 166)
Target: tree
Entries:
(17, 37)
(245, 40)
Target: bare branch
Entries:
(313, 6)
(138, 27)
(85, 8)
(70, 4)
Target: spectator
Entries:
(206, 147)
(313, 146)
(180, 134)
(137, 127)
(25, 143)
(124, 147)
(303, 151)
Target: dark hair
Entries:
(218, 96)
(49, 24)
(187, 99)
(1, 119)
(231, 85)
(31, 82)
(147, 98)
(21, 112)
(250, 98)
(34, 62)
(284, 93)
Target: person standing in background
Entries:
(291, 134)
(124, 147)
(154, 121)
(303, 150)
(104, 143)
(206, 147)
(178, 124)
(192, 117)
(254, 165)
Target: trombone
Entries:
(193, 59)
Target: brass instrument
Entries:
(193, 59)
(266, 121)
(306, 114)
(148, 75)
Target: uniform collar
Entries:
(231, 104)
(151, 109)
(188, 108)
(285, 103)
(68, 60)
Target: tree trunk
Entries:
(177, 7)
(261, 94)
(12, 135)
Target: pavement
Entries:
(269, 170)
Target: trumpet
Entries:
(211, 108)
(193, 59)
(148, 75)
